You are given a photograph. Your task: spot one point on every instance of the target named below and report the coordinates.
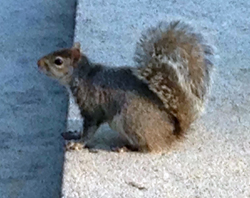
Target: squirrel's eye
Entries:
(58, 61)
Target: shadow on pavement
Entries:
(33, 107)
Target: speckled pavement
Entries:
(214, 161)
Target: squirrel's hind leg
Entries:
(148, 127)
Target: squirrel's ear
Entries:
(75, 54)
(77, 45)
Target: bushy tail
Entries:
(175, 62)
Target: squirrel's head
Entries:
(60, 64)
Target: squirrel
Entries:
(152, 104)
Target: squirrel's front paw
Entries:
(77, 146)
(74, 146)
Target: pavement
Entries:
(214, 161)
(33, 107)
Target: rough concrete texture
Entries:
(33, 107)
(214, 161)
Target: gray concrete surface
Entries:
(214, 161)
(33, 107)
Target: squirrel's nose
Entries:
(40, 62)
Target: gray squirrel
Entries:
(153, 104)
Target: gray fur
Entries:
(162, 66)
(150, 105)
(145, 48)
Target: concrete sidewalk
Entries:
(214, 161)
(33, 107)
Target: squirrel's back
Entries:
(175, 62)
